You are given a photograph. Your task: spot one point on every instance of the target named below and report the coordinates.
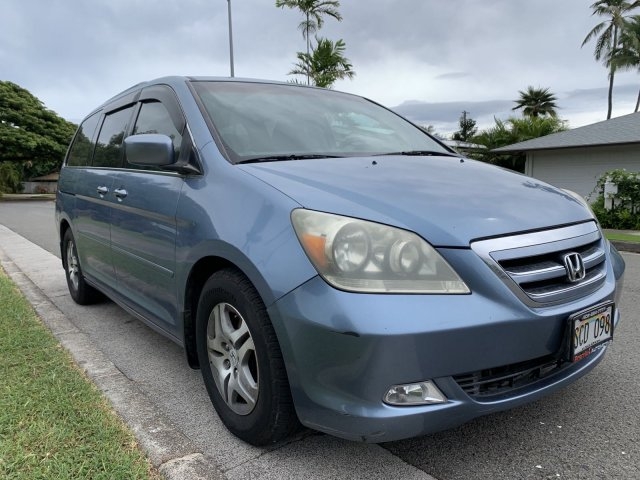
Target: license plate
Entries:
(590, 328)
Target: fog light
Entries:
(423, 393)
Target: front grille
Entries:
(500, 381)
(532, 264)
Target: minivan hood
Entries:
(448, 201)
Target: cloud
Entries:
(444, 116)
(451, 56)
(452, 76)
(577, 104)
(428, 113)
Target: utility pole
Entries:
(230, 39)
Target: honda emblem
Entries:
(574, 265)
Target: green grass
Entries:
(54, 423)
(623, 237)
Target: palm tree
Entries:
(536, 102)
(627, 55)
(313, 10)
(609, 31)
(325, 64)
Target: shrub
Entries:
(10, 178)
(625, 213)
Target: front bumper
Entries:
(343, 351)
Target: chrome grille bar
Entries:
(532, 264)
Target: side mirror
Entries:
(149, 150)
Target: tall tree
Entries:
(33, 137)
(313, 11)
(609, 30)
(536, 102)
(325, 64)
(627, 55)
(467, 128)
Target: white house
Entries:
(576, 159)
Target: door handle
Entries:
(102, 191)
(120, 193)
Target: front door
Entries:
(143, 218)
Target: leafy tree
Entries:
(9, 178)
(467, 128)
(325, 64)
(529, 128)
(500, 135)
(536, 102)
(627, 55)
(33, 137)
(313, 11)
(430, 129)
(514, 130)
(609, 40)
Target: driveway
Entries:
(588, 431)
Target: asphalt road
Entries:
(33, 220)
(591, 430)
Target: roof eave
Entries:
(511, 149)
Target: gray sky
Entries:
(428, 59)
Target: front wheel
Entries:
(241, 361)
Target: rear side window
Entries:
(80, 151)
(154, 118)
(109, 145)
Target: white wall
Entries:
(39, 187)
(579, 169)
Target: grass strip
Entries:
(54, 423)
(623, 237)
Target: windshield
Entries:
(269, 121)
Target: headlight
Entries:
(361, 256)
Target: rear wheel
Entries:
(241, 361)
(80, 291)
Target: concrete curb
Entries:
(168, 449)
(626, 246)
(18, 197)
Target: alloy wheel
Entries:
(232, 358)
(72, 265)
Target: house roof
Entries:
(52, 177)
(616, 131)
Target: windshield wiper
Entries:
(277, 158)
(418, 153)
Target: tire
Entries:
(81, 292)
(241, 361)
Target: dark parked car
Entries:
(324, 261)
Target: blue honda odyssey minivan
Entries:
(325, 262)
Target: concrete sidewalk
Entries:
(170, 446)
